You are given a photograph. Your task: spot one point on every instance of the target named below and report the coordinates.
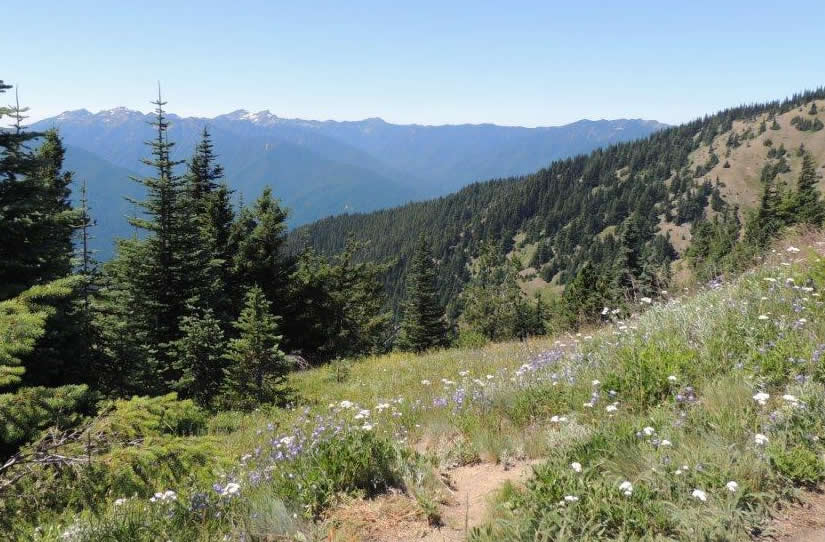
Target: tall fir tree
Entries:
(164, 274)
(212, 213)
(422, 326)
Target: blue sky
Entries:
(515, 63)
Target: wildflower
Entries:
(611, 408)
(168, 495)
(764, 317)
(120, 501)
(732, 486)
(790, 398)
(626, 488)
(792, 250)
(699, 495)
(490, 377)
(425, 382)
(345, 404)
(576, 466)
(380, 407)
(362, 414)
(648, 431)
(760, 439)
(571, 498)
(672, 378)
(230, 490)
(666, 442)
(761, 398)
(463, 373)
(646, 300)
(596, 383)
(367, 427)
(605, 311)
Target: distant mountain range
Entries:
(320, 168)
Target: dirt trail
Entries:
(803, 522)
(398, 518)
(471, 488)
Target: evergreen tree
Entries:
(209, 200)
(162, 275)
(257, 368)
(765, 222)
(585, 297)
(259, 235)
(36, 216)
(808, 205)
(492, 298)
(337, 306)
(25, 411)
(200, 358)
(422, 326)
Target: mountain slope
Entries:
(107, 186)
(357, 166)
(592, 208)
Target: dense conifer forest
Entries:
(599, 214)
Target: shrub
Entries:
(356, 463)
(798, 464)
(150, 416)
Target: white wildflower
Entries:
(666, 442)
(760, 439)
(611, 408)
(367, 427)
(761, 397)
(626, 488)
(648, 431)
(790, 398)
(120, 501)
(646, 300)
(345, 404)
(764, 317)
(792, 250)
(672, 378)
(596, 383)
(576, 466)
(231, 489)
(732, 486)
(571, 498)
(425, 382)
(699, 495)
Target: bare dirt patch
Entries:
(397, 518)
(803, 522)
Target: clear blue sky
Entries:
(516, 63)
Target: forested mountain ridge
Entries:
(322, 168)
(631, 204)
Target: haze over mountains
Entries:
(320, 168)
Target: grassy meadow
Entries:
(691, 421)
